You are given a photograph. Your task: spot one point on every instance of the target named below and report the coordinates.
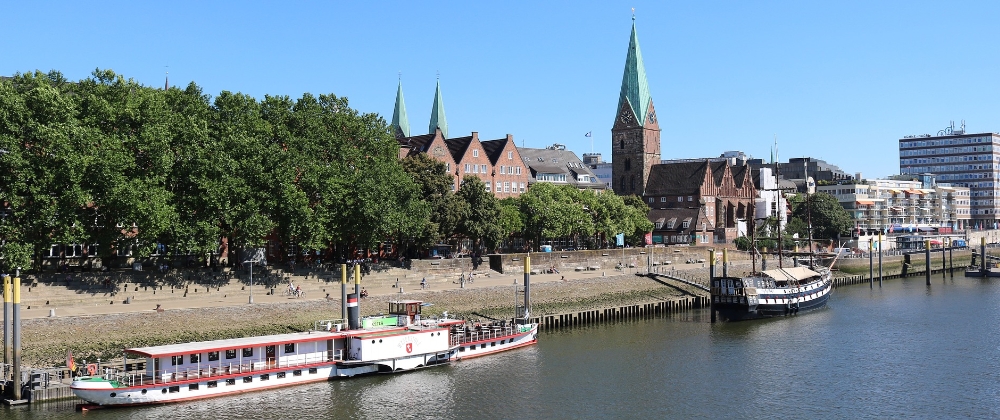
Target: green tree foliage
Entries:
(435, 184)
(480, 222)
(829, 219)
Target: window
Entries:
(247, 379)
(195, 358)
(177, 360)
(499, 186)
(503, 169)
(289, 348)
(482, 169)
(466, 168)
(313, 370)
(231, 354)
(212, 384)
(175, 389)
(489, 186)
(296, 373)
(522, 187)
(213, 356)
(447, 167)
(510, 155)
(506, 187)
(680, 199)
(689, 198)
(663, 199)
(193, 387)
(475, 153)
(628, 164)
(650, 200)
(265, 376)
(518, 170)
(248, 352)
(231, 381)
(281, 375)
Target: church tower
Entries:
(437, 114)
(635, 136)
(400, 124)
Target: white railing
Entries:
(138, 378)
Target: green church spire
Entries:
(400, 123)
(635, 89)
(437, 114)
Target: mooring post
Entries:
(357, 280)
(927, 260)
(725, 262)
(8, 348)
(527, 287)
(944, 261)
(16, 324)
(343, 292)
(982, 254)
(871, 264)
(711, 282)
(880, 259)
(951, 258)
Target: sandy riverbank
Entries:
(47, 340)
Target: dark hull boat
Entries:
(771, 293)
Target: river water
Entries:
(905, 350)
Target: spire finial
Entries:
(633, 14)
(400, 75)
(439, 74)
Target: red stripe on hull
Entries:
(487, 353)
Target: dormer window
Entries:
(686, 224)
(541, 160)
(475, 153)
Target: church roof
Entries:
(680, 178)
(400, 123)
(635, 88)
(438, 119)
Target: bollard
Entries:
(52, 313)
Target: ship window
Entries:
(281, 375)
(177, 360)
(144, 392)
(289, 348)
(212, 384)
(164, 390)
(248, 352)
(247, 379)
(193, 387)
(113, 394)
(312, 370)
(297, 373)
(502, 341)
(213, 356)
(174, 389)
(231, 381)
(493, 344)
(265, 376)
(231, 354)
(461, 349)
(195, 358)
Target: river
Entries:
(903, 350)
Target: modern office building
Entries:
(960, 159)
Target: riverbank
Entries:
(47, 340)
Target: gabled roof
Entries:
(494, 149)
(438, 119)
(400, 123)
(680, 178)
(635, 88)
(559, 161)
(457, 146)
(679, 215)
(417, 144)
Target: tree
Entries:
(550, 211)
(480, 222)
(828, 217)
(446, 209)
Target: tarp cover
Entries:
(791, 273)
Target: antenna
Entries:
(166, 78)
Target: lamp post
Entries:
(251, 261)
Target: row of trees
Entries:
(822, 211)
(110, 162)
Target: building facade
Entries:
(964, 160)
(889, 205)
(635, 135)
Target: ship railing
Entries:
(329, 325)
(139, 378)
(470, 335)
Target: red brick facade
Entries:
(493, 161)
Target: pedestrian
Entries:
(423, 283)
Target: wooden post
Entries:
(343, 292)
(982, 255)
(927, 260)
(951, 258)
(711, 281)
(725, 262)
(880, 246)
(871, 264)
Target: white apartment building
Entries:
(889, 205)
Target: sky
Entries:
(841, 81)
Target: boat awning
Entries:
(234, 343)
(790, 274)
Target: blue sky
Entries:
(840, 81)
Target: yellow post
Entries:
(357, 279)
(725, 262)
(7, 344)
(16, 325)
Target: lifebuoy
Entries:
(92, 369)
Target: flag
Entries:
(69, 361)
(620, 239)
(588, 134)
